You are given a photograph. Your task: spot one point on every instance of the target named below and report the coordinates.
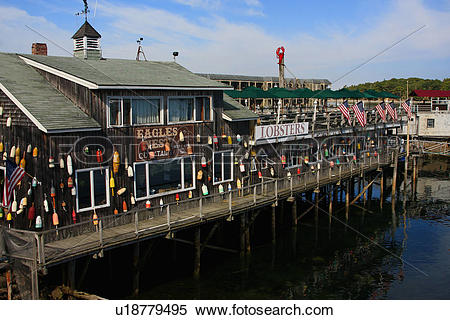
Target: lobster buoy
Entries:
(9, 216)
(1, 213)
(229, 187)
(161, 202)
(245, 144)
(375, 154)
(69, 165)
(203, 161)
(13, 152)
(209, 140)
(61, 163)
(132, 200)
(221, 188)
(167, 146)
(126, 162)
(289, 174)
(177, 198)
(69, 182)
(190, 194)
(215, 140)
(46, 209)
(200, 175)
(283, 160)
(28, 148)
(17, 155)
(331, 164)
(238, 138)
(55, 219)
(112, 184)
(121, 191)
(238, 183)
(73, 191)
(124, 206)
(116, 162)
(35, 152)
(9, 122)
(148, 204)
(130, 172)
(272, 172)
(230, 140)
(338, 162)
(22, 162)
(115, 211)
(99, 156)
(14, 206)
(95, 218)
(205, 190)
(31, 212)
(189, 149)
(5, 156)
(242, 167)
(306, 159)
(260, 174)
(52, 191)
(38, 224)
(74, 216)
(51, 162)
(198, 138)
(298, 170)
(1, 146)
(181, 136)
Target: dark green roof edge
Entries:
(235, 111)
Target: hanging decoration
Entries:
(215, 140)
(61, 162)
(124, 206)
(8, 122)
(116, 162)
(200, 175)
(204, 190)
(132, 200)
(241, 166)
(69, 182)
(69, 165)
(95, 219)
(230, 140)
(210, 140)
(260, 174)
(22, 161)
(177, 198)
(238, 138)
(283, 160)
(167, 146)
(1, 146)
(189, 149)
(181, 137)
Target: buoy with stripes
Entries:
(38, 223)
(69, 182)
(148, 204)
(116, 162)
(95, 219)
(221, 188)
(51, 162)
(124, 206)
(190, 194)
(205, 190)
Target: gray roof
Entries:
(48, 108)
(235, 111)
(86, 30)
(121, 73)
(238, 77)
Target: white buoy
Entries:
(69, 165)
(61, 163)
(130, 172)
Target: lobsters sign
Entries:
(280, 130)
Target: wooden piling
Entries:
(381, 189)
(136, 269)
(294, 215)
(316, 216)
(394, 179)
(347, 198)
(330, 204)
(247, 234)
(197, 253)
(414, 175)
(71, 269)
(274, 210)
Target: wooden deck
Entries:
(74, 241)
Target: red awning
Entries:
(431, 93)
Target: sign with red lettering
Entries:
(164, 142)
(274, 131)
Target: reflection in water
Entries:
(312, 261)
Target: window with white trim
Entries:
(126, 111)
(92, 188)
(160, 177)
(222, 166)
(189, 109)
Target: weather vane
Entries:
(85, 11)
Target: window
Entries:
(223, 166)
(293, 155)
(92, 188)
(154, 178)
(430, 123)
(189, 109)
(134, 111)
(2, 182)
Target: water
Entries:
(377, 256)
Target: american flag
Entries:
(360, 114)
(391, 109)
(13, 176)
(407, 107)
(381, 108)
(345, 110)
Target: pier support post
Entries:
(316, 216)
(247, 234)
(381, 188)
(294, 215)
(71, 267)
(274, 210)
(347, 198)
(330, 204)
(414, 176)
(197, 253)
(136, 269)
(394, 180)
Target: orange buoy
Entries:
(124, 206)
(99, 156)
(95, 218)
(55, 219)
(69, 182)
(35, 152)
(116, 162)
(148, 204)
(116, 211)
(74, 216)
(22, 162)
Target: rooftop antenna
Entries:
(175, 54)
(85, 11)
(140, 50)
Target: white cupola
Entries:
(86, 43)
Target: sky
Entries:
(322, 39)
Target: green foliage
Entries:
(398, 86)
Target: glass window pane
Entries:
(227, 163)
(141, 180)
(100, 187)
(84, 189)
(114, 112)
(164, 176)
(126, 111)
(202, 108)
(146, 111)
(217, 166)
(188, 176)
(181, 109)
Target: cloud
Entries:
(208, 4)
(210, 43)
(254, 12)
(253, 3)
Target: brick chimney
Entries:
(39, 49)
